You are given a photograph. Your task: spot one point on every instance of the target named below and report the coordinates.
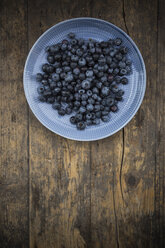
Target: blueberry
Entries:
(115, 71)
(84, 48)
(108, 60)
(82, 62)
(65, 63)
(41, 98)
(115, 90)
(79, 52)
(105, 118)
(51, 59)
(89, 73)
(50, 99)
(58, 70)
(77, 96)
(98, 114)
(98, 50)
(59, 84)
(88, 116)
(81, 125)
(100, 74)
(102, 60)
(124, 50)
(39, 77)
(96, 121)
(110, 101)
(128, 68)
(120, 93)
(76, 71)
(110, 70)
(110, 78)
(103, 79)
(53, 85)
(104, 112)
(89, 93)
(74, 58)
(82, 109)
(128, 62)
(91, 100)
(117, 41)
(95, 90)
(50, 69)
(124, 80)
(69, 78)
(71, 35)
(82, 76)
(122, 64)
(123, 72)
(61, 111)
(57, 64)
(113, 65)
(84, 69)
(86, 84)
(107, 108)
(106, 51)
(104, 44)
(105, 91)
(40, 89)
(80, 42)
(63, 47)
(73, 65)
(44, 67)
(84, 103)
(73, 42)
(94, 96)
(114, 108)
(95, 56)
(111, 42)
(57, 57)
(56, 90)
(55, 77)
(78, 117)
(90, 107)
(99, 85)
(97, 108)
(88, 122)
(84, 97)
(117, 79)
(81, 92)
(54, 49)
(93, 116)
(77, 104)
(56, 105)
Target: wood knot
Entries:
(131, 180)
(13, 117)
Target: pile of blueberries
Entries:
(82, 77)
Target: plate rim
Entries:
(139, 54)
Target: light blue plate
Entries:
(134, 91)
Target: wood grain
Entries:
(59, 168)
(14, 127)
(58, 193)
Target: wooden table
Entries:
(58, 193)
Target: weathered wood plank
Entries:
(59, 168)
(14, 127)
(136, 219)
(160, 129)
(106, 157)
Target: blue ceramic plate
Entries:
(134, 91)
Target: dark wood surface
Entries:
(58, 193)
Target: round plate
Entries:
(134, 91)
